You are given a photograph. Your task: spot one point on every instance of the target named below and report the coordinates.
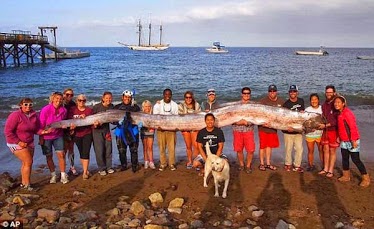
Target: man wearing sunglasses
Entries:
(293, 139)
(166, 138)
(211, 102)
(243, 132)
(268, 136)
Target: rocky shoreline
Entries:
(153, 199)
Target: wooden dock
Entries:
(21, 46)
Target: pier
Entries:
(24, 47)
(21, 46)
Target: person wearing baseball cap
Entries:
(268, 137)
(211, 102)
(293, 140)
(272, 88)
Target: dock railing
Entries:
(10, 38)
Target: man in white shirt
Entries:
(166, 138)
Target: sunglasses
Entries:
(27, 104)
(246, 93)
(68, 94)
(188, 97)
(292, 91)
(272, 91)
(82, 100)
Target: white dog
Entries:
(220, 169)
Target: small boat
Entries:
(67, 55)
(217, 48)
(365, 57)
(321, 52)
(149, 46)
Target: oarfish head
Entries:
(312, 124)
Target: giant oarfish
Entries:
(258, 114)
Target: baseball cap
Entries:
(293, 88)
(127, 93)
(272, 87)
(211, 92)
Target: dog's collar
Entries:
(222, 168)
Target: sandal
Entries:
(248, 170)
(271, 167)
(322, 172)
(241, 168)
(329, 175)
(189, 166)
(262, 167)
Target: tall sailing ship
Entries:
(149, 46)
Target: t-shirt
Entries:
(214, 137)
(294, 106)
(266, 101)
(316, 133)
(75, 113)
(104, 127)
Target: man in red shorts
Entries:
(244, 136)
(268, 136)
(330, 134)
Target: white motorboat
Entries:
(67, 55)
(149, 46)
(217, 48)
(365, 57)
(321, 52)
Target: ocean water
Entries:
(181, 69)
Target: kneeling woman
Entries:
(214, 136)
(349, 141)
(19, 131)
(82, 135)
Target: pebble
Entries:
(257, 213)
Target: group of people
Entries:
(339, 128)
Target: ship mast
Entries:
(150, 31)
(160, 33)
(139, 31)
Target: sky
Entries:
(197, 23)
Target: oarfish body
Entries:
(258, 114)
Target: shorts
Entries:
(144, 136)
(14, 147)
(200, 159)
(244, 140)
(58, 145)
(268, 140)
(330, 137)
(84, 145)
(309, 139)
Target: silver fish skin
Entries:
(102, 117)
(258, 114)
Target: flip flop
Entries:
(262, 167)
(322, 172)
(271, 167)
(189, 166)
